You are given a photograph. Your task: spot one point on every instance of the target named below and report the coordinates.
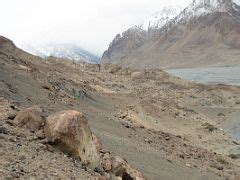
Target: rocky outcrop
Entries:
(30, 118)
(71, 131)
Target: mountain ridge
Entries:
(133, 38)
(61, 50)
(206, 33)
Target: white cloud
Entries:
(91, 24)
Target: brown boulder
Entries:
(29, 117)
(120, 167)
(71, 131)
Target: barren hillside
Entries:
(164, 126)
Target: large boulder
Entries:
(30, 118)
(71, 131)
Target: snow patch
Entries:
(160, 18)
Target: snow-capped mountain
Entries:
(67, 51)
(133, 38)
(205, 33)
(203, 7)
(160, 18)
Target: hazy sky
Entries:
(92, 24)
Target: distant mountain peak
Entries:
(67, 51)
(160, 18)
(206, 32)
(213, 3)
(203, 7)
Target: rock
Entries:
(15, 105)
(181, 156)
(137, 75)
(106, 162)
(54, 174)
(97, 142)
(12, 115)
(120, 167)
(71, 131)
(217, 166)
(12, 139)
(126, 125)
(99, 170)
(29, 117)
(149, 141)
(123, 115)
(40, 134)
(179, 136)
(100, 178)
(43, 141)
(107, 165)
(3, 130)
(169, 160)
(167, 138)
(236, 143)
(1, 137)
(42, 146)
(47, 87)
(116, 178)
(49, 148)
(14, 175)
(221, 114)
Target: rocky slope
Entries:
(123, 45)
(165, 127)
(206, 33)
